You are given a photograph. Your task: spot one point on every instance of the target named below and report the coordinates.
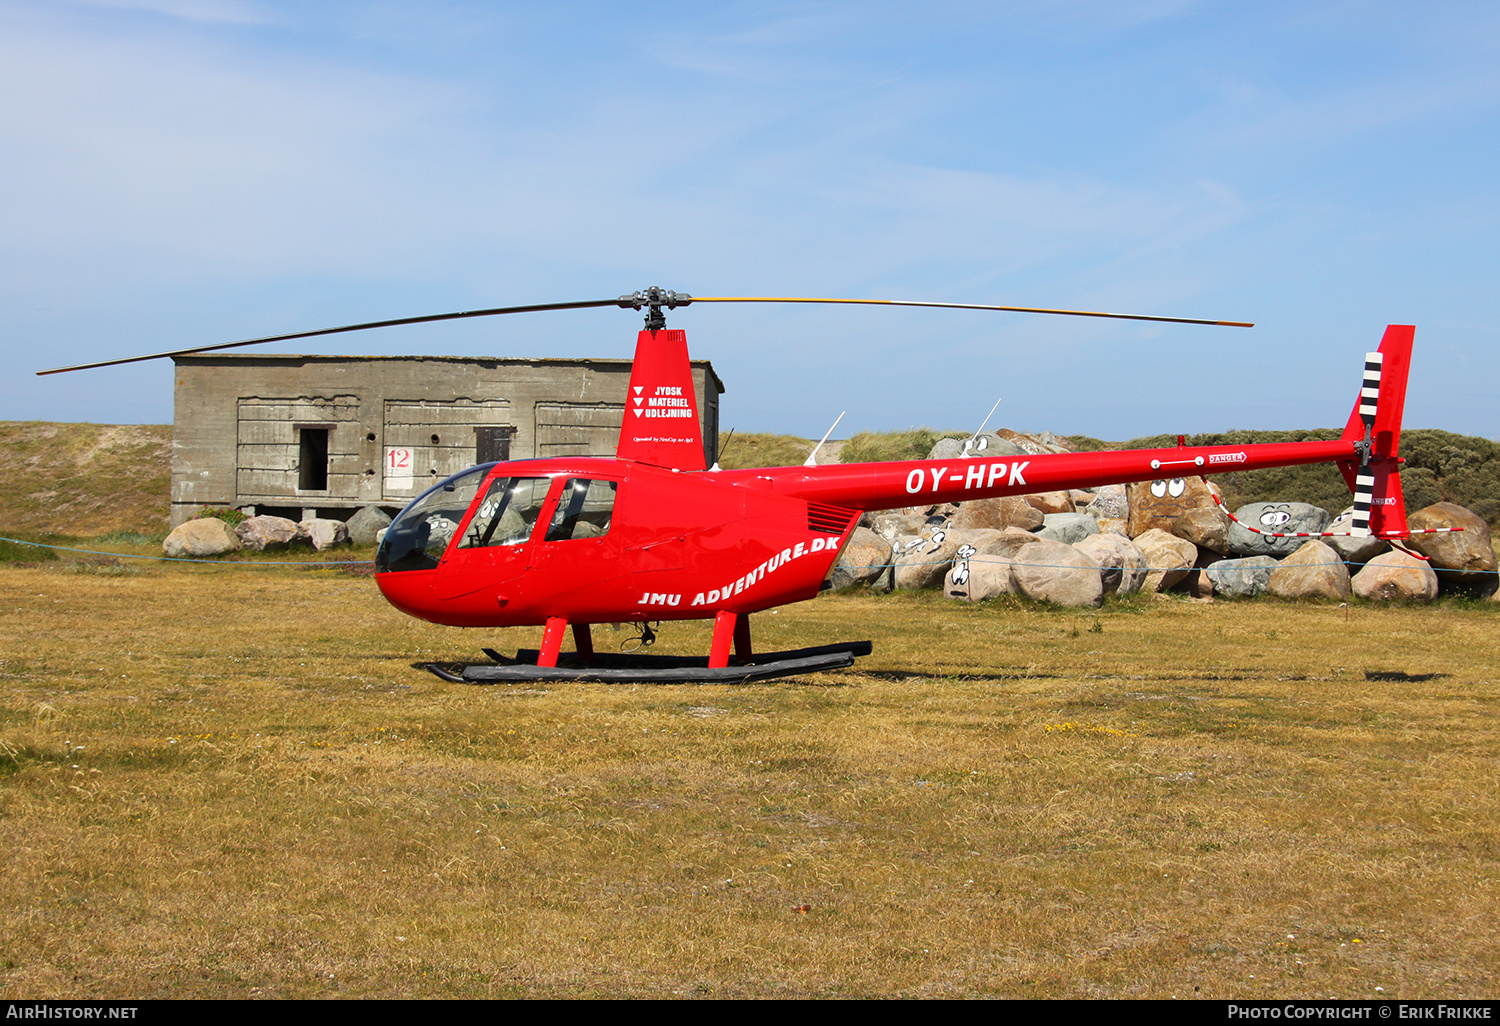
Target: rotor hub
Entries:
(652, 300)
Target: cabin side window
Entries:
(508, 512)
(584, 510)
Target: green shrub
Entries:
(12, 552)
(232, 517)
(885, 446)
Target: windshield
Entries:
(419, 534)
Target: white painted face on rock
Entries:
(1174, 488)
(1275, 517)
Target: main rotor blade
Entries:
(973, 306)
(637, 301)
(535, 308)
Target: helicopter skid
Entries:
(610, 668)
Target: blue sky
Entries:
(181, 172)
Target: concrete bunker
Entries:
(300, 436)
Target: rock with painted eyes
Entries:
(1396, 575)
(978, 577)
(1158, 505)
(1275, 518)
(1463, 559)
(982, 566)
(1168, 557)
(980, 446)
(1313, 571)
(922, 562)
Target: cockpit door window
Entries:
(508, 513)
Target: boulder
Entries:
(997, 514)
(1049, 571)
(1001, 543)
(1353, 550)
(263, 534)
(325, 534)
(1122, 564)
(1168, 558)
(1395, 575)
(199, 538)
(1114, 525)
(892, 525)
(1157, 505)
(366, 523)
(1313, 571)
(1463, 558)
(1109, 502)
(1196, 583)
(863, 560)
(1050, 502)
(1068, 528)
(1280, 517)
(1241, 578)
(1207, 528)
(1038, 444)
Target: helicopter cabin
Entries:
(301, 436)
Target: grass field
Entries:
(229, 782)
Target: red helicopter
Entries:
(654, 534)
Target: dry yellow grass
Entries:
(84, 479)
(231, 782)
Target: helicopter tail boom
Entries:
(1366, 453)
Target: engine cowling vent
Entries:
(829, 519)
